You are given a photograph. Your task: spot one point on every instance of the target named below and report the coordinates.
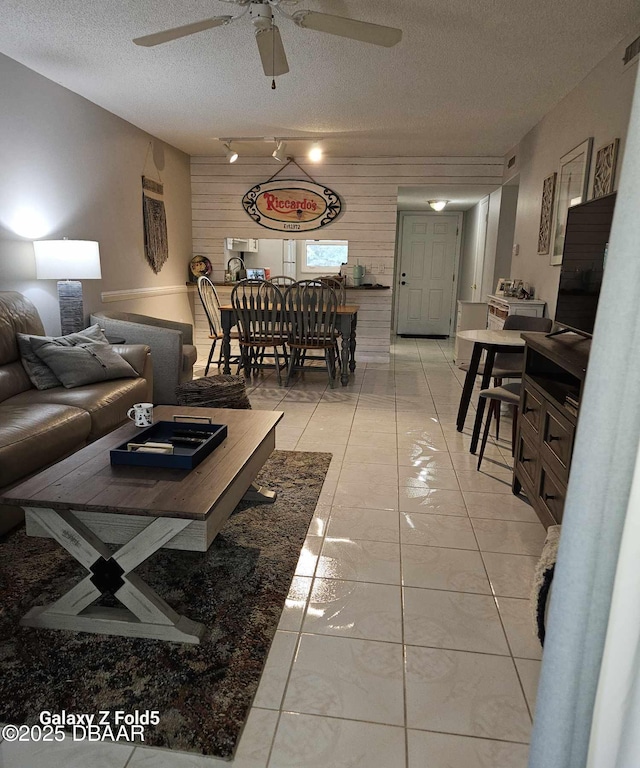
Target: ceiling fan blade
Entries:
(274, 59)
(188, 29)
(355, 30)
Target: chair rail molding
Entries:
(142, 293)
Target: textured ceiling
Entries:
(468, 78)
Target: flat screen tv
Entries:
(586, 243)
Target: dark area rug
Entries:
(203, 692)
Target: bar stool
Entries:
(509, 394)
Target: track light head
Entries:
(230, 154)
(280, 152)
(438, 205)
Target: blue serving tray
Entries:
(183, 457)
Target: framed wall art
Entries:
(546, 214)
(571, 189)
(605, 171)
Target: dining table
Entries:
(491, 342)
(347, 316)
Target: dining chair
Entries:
(508, 365)
(211, 305)
(282, 281)
(311, 315)
(338, 286)
(257, 306)
(509, 394)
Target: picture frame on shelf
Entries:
(605, 169)
(571, 189)
(499, 291)
(546, 214)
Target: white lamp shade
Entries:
(67, 260)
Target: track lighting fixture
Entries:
(280, 152)
(230, 154)
(315, 153)
(283, 146)
(438, 205)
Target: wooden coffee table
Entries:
(85, 503)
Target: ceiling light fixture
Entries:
(315, 153)
(230, 154)
(438, 205)
(280, 152)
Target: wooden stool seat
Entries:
(509, 394)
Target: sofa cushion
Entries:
(34, 435)
(82, 363)
(17, 315)
(13, 379)
(107, 402)
(40, 374)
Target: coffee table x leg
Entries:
(145, 613)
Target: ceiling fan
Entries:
(274, 59)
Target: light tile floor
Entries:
(406, 640)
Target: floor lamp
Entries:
(68, 262)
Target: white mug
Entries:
(142, 414)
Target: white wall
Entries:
(77, 168)
(491, 245)
(506, 229)
(468, 253)
(599, 107)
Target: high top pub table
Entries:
(491, 342)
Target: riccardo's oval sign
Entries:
(292, 205)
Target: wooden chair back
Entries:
(282, 281)
(257, 306)
(210, 304)
(311, 314)
(338, 286)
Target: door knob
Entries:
(403, 282)
(404, 274)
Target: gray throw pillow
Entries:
(84, 363)
(42, 377)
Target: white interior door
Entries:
(425, 280)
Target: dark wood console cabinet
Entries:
(552, 384)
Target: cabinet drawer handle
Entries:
(527, 410)
(551, 438)
(524, 461)
(548, 497)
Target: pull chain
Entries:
(273, 56)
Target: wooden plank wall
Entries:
(369, 190)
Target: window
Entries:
(325, 255)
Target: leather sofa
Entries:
(40, 427)
(171, 346)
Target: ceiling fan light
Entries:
(230, 154)
(438, 205)
(315, 153)
(279, 153)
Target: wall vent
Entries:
(512, 160)
(631, 53)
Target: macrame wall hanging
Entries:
(156, 245)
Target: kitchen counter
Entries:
(368, 287)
